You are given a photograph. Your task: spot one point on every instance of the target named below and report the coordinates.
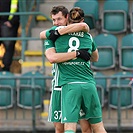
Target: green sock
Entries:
(69, 131)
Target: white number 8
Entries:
(73, 47)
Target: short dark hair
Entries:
(76, 15)
(57, 9)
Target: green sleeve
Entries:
(94, 46)
(48, 44)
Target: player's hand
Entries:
(83, 54)
(54, 34)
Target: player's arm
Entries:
(74, 28)
(54, 57)
(43, 35)
(69, 29)
(94, 56)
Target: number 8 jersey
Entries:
(76, 70)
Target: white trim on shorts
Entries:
(58, 89)
(77, 82)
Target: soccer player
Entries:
(59, 16)
(76, 78)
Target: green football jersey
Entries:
(76, 70)
(47, 45)
(55, 72)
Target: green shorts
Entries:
(54, 114)
(80, 95)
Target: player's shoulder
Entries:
(90, 36)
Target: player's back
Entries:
(76, 70)
(73, 41)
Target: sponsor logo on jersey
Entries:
(65, 119)
(46, 43)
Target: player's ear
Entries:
(67, 16)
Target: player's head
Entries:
(76, 15)
(59, 15)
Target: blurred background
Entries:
(25, 90)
